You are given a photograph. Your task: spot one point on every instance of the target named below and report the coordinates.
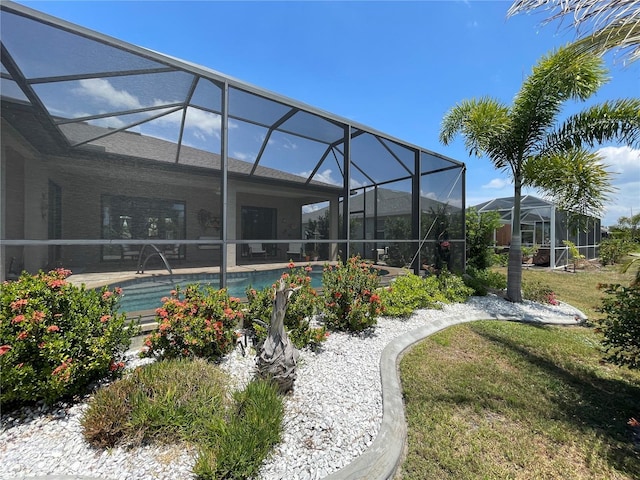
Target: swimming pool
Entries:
(146, 293)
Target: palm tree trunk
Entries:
(514, 270)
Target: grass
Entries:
(189, 401)
(501, 400)
(579, 289)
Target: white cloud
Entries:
(261, 138)
(625, 201)
(243, 156)
(324, 176)
(353, 183)
(207, 123)
(624, 161)
(289, 145)
(102, 90)
(496, 184)
(431, 195)
(198, 136)
(112, 122)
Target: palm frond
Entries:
(616, 120)
(633, 262)
(598, 12)
(556, 78)
(600, 24)
(483, 123)
(577, 181)
(622, 37)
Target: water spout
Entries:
(142, 264)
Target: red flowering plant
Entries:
(303, 305)
(351, 298)
(538, 292)
(57, 338)
(198, 322)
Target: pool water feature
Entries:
(145, 294)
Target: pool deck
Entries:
(99, 279)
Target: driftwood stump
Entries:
(278, 357)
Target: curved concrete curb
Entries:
(383, 458)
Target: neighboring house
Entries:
(545, 227)
(109, 150)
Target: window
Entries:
(259, 223)
(140, 218)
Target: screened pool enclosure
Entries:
(120, 159)
(545, 227)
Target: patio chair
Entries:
(295, 249)
(381, 254)
(130, 251)
(172, 252)
(257, 249)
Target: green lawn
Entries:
(579, 289)
(500, 400)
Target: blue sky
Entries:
(394, 66)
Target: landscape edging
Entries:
(383, 457)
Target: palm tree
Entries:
(528, 141)
(613, 23)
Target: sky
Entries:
(394, 66)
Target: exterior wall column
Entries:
(232, 224)
(334, 227)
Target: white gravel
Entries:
(331, 417)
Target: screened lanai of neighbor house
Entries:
(545, 227)
(116, 158)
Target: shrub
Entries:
(483, 280)
(612, 250)
(621, 325)
(479, 237)
(538, 292)
(500, 259)
(57, 338)
(409, 293)
(302, 305)
(187, 400)
(163, 401)
(245, 440)
(350, 299)
(201, 324)
(478, 286)
(453, 288)
(574, 251)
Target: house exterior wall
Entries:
(23, 200)
(83, 184)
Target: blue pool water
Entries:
(147, 293)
